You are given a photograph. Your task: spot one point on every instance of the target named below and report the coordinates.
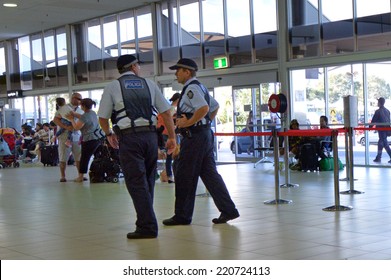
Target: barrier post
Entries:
(276, 174)
(286, 162)
(337, 206)
(351, 171)
(347, 159)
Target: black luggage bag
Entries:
(104, 169)
(105, 166)
(309, 157)
(49, 155)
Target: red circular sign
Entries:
(277, 103)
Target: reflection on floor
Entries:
(41, 218)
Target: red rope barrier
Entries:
(302, 132)
(372, 128)
(298, 132)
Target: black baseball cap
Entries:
(186, 63)
(126, 60)
(175, 97)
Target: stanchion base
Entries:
(203, 195)
(289, 185)
(347, 179)
(278, 201)
(263, 160)
(338, 208)
(351, 192)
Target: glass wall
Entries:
(37, 60)
(265, 30)
(373, 25)
(305, 29)
(94, 57)
(25, 59)
(3, 78)
(214, 31)
(239, 32)
(50, 61)
(190, 32)
(320, 91)
(110, 45)
(335, 28)
(168, 35)
(127, 33)
(144, 40)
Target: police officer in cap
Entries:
(132, 104)
(196, 109)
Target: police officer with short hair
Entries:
(132, 104)
(196, 109)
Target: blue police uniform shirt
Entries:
(193, 99)
(112, 100)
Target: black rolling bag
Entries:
(49, 155)
(309, 157)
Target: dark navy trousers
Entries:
(138, 158)
(196, 159)
(383, 143)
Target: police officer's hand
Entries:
(181, 122)
(170, 145)
(113, 141)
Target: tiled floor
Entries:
(41, 218)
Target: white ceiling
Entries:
(36, 15)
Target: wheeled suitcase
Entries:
(309, 157)
(49, 155)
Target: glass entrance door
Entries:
(245, 112)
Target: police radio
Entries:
(277, 103)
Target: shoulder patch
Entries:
(190, 94)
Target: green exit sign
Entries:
(220, 62)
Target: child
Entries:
(27, 140)
(63, 109)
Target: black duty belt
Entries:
(199, 127)
(138, 129)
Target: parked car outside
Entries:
(219, 128)
(373, 137)
(244, 142)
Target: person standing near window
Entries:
(382, 115)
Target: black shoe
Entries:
(173, 222)
(223, 218)
(377, 160)
(170, 181)
(139, 235)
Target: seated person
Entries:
(295, 144)
(325, 141)
(294, 141)
(26, 141)
(41, 138)
(322, 143)
(63, 109)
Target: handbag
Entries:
(4, 148)
(327, 164)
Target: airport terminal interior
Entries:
(313, 53)
(44, 219)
